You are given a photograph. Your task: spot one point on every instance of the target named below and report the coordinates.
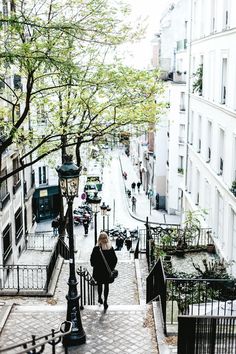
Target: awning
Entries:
(46, 192)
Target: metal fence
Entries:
(43, 241)
(213, 335)
(216, 297)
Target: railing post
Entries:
(43, 242)
(18, 278)
(212, 336)
(147, 242)
(47, 280)
(186, 329)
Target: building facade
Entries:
(211, 147)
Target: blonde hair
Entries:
(104, 241)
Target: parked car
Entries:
(82, 212)
(95, 178)
(90, 187)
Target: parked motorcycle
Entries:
(82, 212)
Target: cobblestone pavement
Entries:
(126, 327)
(122, 329)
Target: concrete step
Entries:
(4, 313)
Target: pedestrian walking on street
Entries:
(138, 186)
(133, 199)
(133, 185)
(125, 175)
(100, 272)
(55, 225)
(86, 223)
(119, 243)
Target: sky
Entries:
(140, 53)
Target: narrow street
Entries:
(113, 194)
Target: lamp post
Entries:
(95, 202)
(108, 214)
(68, 175)
(103, 208)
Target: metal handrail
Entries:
(30, 346)
(87, 287)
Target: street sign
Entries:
(83, 196)
(150, 192)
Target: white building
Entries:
(16, 192)
(171, 135)
(211, 148)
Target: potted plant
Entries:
(211, 248)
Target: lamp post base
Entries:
(74, 338)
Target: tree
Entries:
(56, 51)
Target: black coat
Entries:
(100, 272)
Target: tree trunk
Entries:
(77, 152)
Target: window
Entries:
(207, 206)
(3, 188)
(224, 81)
(190, 175)
(7, 240)
(197, 187)
(191, 120)
(221, 152)
(18, 224)
(16, 176)
(181, 165)
(209, 139)
(42, 175)
(232, 235)
(181, 133)
(5, 8)
(213, 16)
(41, 115)
(182, 101)
(220, 216)
(225, 14)
(199, 144)
(17, 82)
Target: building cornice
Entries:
(215, 105)
(226, 32)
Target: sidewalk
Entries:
(144, 208)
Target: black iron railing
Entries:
(38, 345)
(53, 259)
(136, 251)
(87, 287)
(205, 334)
(215, 297)
(156, 288)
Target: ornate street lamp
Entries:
(108, 214)
(103, 208)
(68, 175)
(95, 202)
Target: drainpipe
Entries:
(188, 95)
